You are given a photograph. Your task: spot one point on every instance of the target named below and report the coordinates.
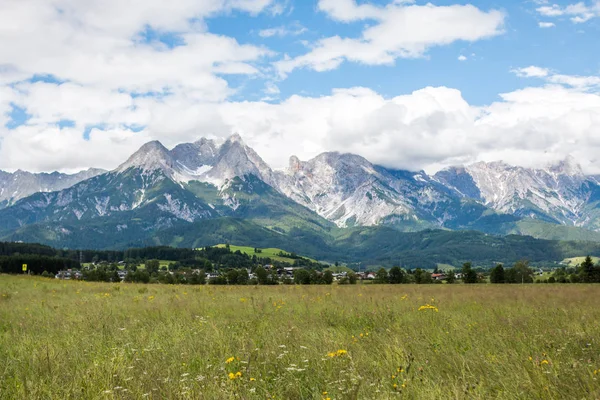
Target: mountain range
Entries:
(20, 184)
(162, 196)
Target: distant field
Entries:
(578, 260)
(81, 340)
(269, 252)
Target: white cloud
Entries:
(575, 81)
(294, 29)
(462, 58)
(551, 11)
(97, 43)
(531, 72)
(546, 25)
(529, 127)
(401, 31)
(581, 82)
(271, 89)
(107, 70)
(579, 12)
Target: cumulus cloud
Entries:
(99, 44)
(101, 72)
(427, 129)
(462, 58)
(401, 30)
(546, 25)
(86, 62)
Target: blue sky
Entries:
(407, 84)
(566, 47)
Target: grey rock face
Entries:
(560, 193)
(20, 184)
(343, 188)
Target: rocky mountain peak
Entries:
(235, 159)
(295, 165)
(196, 157)
(235, 138)
(569, 166)
(151, 156)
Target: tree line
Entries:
(36, 264)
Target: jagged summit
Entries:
(295, 165)
(151, 156)
(20, 184)
(343, 188)
(198, 157)
(569, 166)
(203, 160)
(236, 159)
(237, 138)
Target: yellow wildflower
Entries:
(428, 307)
(544, 362)
(252, 379)
(231, 376)
(238, 374)
(229, 360)
(337, 353)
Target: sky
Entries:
(407, 84)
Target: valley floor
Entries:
(82, 340)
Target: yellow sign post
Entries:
(24, 267)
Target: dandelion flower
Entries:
(428, 307)
(230, 360)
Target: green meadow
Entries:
(272, 253)
(575, 261)
(82, 340)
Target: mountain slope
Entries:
(350, 191)
(314, 201)
(560, 194)
(20, 184)
(154, 190)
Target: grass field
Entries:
(269, 252)
(79, 340)
(574, 261)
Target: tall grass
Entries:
(83, 340)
